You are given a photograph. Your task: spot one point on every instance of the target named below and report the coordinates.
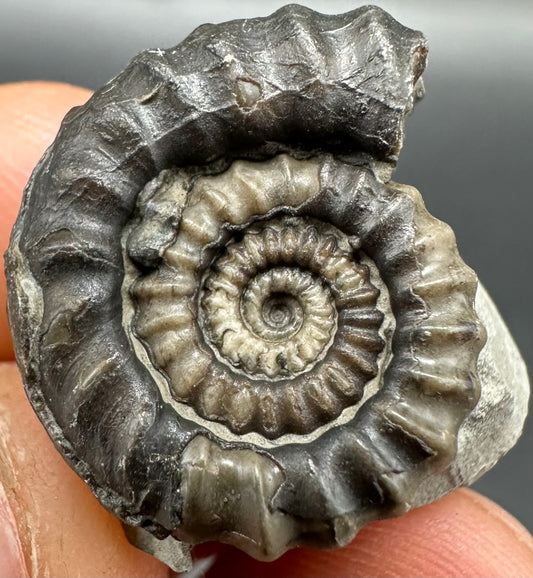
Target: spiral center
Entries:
(283, 313)
(267, 314)
(270, 306)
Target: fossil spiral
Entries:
(233, 324)
(278, 331)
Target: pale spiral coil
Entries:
(212, 329)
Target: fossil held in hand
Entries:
(233, 324)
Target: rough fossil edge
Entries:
(496, 422)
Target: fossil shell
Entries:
(232, 323)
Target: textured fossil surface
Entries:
(268, 326)
(231, 321)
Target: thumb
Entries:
(463, 534)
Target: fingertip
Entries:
(463, 534)
(30, 115)
(57, 523)
(12, 561)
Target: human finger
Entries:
(462, 535)
(52, 524)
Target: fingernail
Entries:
(12, 563)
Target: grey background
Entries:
(468, 146)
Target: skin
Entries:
(51, 525)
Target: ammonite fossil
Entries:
(231, 321)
